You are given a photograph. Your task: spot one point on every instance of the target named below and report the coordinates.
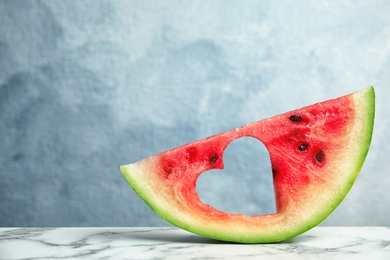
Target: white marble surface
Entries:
(172, 243)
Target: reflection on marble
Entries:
(174, 243)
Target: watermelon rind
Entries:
(272, 227)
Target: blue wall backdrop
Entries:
(86, 86)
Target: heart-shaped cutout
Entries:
(245, 184)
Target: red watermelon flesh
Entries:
(316, 153)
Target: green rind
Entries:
(369, 109)
(366, 111)
(143, 191)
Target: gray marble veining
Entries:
(174, 243)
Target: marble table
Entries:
(172, 243)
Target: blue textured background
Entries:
(86, 86)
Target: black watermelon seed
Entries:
(214, 158)
(274, 171)
(320, 156)
(295, 118)
(303, 147)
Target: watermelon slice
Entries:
(316, 153)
